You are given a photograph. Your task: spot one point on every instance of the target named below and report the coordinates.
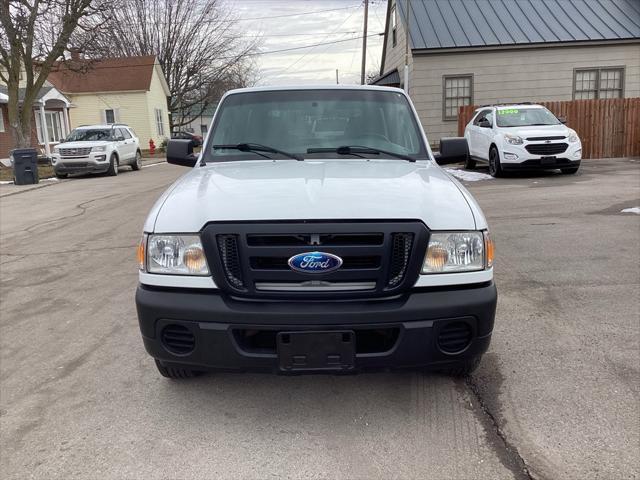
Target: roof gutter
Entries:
(527, 46)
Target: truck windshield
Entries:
(297, 121)
(89, 135)
(522, 117)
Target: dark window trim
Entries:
(444, 94)
(623, 68)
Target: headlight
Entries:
(174, 255)
(102, 148)
(573, 137)
(458, 252)
(56, 149)
(513, 139)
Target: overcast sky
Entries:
(296, 27)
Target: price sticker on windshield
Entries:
(508, 111)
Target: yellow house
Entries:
(130, 90)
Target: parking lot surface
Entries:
(557, 395)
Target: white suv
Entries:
(97, 149)
(522, 136)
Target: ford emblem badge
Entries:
(315, 262)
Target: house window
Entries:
(394, 24)
(1, 121)
(159, 122)
(55, 129)
(598, 83)
(457, 91)
(110, 116)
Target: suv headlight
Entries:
(172, 255)
(56, 149)
(450, 252)
(101, 148)
(513, 139)
(573, 137)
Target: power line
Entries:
(298, 34)
(314, 45)
(298, 14)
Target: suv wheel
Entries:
(175, 373)
(495, 168)
(113, 165)
(469, 163)
(137, 163)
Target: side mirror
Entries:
(452, 150)
(484, 123)
(562, 119)
(180, 152)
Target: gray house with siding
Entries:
(463, 52)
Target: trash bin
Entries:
(25, 166)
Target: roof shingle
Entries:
(106, 75)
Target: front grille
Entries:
(546, 148)
(75, 165)
(178, 339)
(542, 139)
(455, 337)
(228, 246)
(75, 152)
(400, 251)
(251, 260)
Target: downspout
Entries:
(406, 50)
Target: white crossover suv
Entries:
(97, 149)
(523, 136)
(315, 232)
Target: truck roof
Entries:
(315, 87)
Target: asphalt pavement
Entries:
(557, 395)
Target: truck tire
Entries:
(137, 163)
(495, 168)
(175, 373)
(113, 165)
(61, 175)
(463, 368)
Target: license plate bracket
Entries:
(316, 350)
(547, 160)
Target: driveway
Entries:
(557, 395)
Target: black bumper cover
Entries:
(560, 163)
(214, 319)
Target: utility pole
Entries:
(364, 42)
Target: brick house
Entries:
(49, 124)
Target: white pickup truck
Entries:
(315, 233)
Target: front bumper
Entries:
(224, 330)
(516, 157)
(94, 163)
(540, 164)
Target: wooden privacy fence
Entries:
(607, 128)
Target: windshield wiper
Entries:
(256, 147)
(355, 149)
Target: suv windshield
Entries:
(296, 121)
(89, 135)
(521, 117)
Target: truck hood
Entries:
(313, 189)
(538, 130)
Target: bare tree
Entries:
(196, 43)
(34, 36)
